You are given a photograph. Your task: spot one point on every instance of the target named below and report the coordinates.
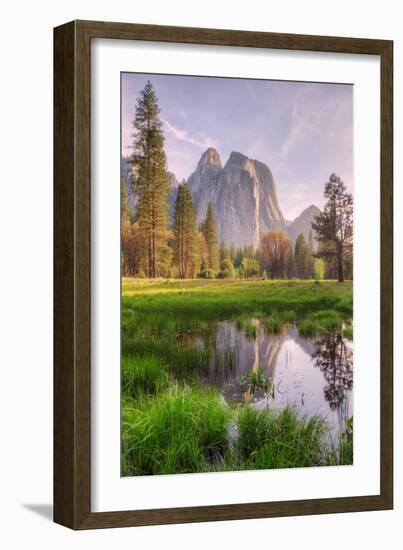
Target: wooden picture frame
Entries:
(72, 271)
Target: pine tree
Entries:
(232, 252)
(301, 257)
(209, 229)
(151, 183)
(224, 252)
(290, 265)
(186, 246)
(238, 257)
(334, 225)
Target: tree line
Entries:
(154, 246)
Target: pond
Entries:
(251, 364)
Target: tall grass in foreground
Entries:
(177, 432)
(341, 451)
(269, 439)
(346, 444)
(184, 431)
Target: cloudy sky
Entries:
(302, 131)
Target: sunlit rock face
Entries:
(173, 193)
(243, 194)
(173, 182)
(208, 167)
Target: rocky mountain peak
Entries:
(243, 195)
(210, 157)
(302, 223)
(236, 159)
(173, 181)
(311, 210)
(207, 169)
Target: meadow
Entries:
(176, 420)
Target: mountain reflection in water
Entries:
(315, 375)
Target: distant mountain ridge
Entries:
(243, 194)
(302, 223)
(127, 171)
(126, 168)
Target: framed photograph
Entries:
(222, 274)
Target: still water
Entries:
(250, 365)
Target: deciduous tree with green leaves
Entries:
(319, 268)
(150, 179)
(311, 257)
(301, 255)
(249, 267)
(290, 265)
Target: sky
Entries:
(302, 131)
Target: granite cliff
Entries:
(243, 195)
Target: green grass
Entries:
(269, 439)
(246, 326)
(170, 424)
(273, 325)
(187, 430)
(143, 375)
(320, 322)
(176, 432)
(157, 315)
(348, 333)
(345, 450)
(192, 302)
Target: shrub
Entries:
(207, 274)
(319, 268)
(227, 268)
(225, 274)
(250, 267)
